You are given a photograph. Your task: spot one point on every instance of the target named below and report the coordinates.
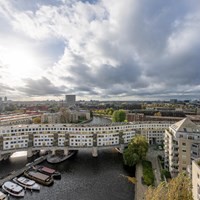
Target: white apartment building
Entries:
(63, 135)
(182, 141)
(153, 131)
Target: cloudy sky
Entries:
(100, 49)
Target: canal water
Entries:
(83, 177)
(100, 120)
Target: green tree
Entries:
(179, 188)
(64, 115)
(118, 116)
(91, 113)
(136, 151)
(37, 120)
(158, 114)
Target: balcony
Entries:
(175, 159)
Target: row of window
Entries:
(7, 147)
(68, 129)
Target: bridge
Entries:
(67, 137)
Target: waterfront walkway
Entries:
(21, 171)
(152, 156)
(140, 189)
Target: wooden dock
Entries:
(21, 171)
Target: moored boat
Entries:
(27, 183)
(39, 177)
(13, 189)
(48, 171)
(3, 196)
(53, 159)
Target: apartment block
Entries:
(182, 144)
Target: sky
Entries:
(100, 49)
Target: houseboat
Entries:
(54, 159)
(13, 189)
(27, 183)
(48, 171)
(39, 177)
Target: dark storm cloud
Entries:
(41, 87)
(106, 75)
(178, 70)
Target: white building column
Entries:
(121, 149)
(53, 150)
(29, 152)
(66, 151)
(94, 152)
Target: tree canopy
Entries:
(118, 116)
(179, 188)
(136, 151)
(37, 120)
(64, 115)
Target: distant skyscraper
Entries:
(70, 100)
(0, 99)
(173, 100)
(5, 99)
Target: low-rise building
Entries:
(16, 119)
(135, 117)
(66, 116)
(51, 118)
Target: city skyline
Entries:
(98, 49)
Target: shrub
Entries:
(148, 174)
(165, 173)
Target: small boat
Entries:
(27, 183)
(3, 196)
(39, 177)
(48, 171)
(13, 189)
(53, 159)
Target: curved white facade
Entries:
(37, 136)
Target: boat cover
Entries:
(48, 170)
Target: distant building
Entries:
(66, 116)
(5, 99)
(51, 118)
(70, 100)
(135, 117)
(6, 120)
(173, 101)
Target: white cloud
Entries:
(123, 48)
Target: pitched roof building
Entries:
(182, 145)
